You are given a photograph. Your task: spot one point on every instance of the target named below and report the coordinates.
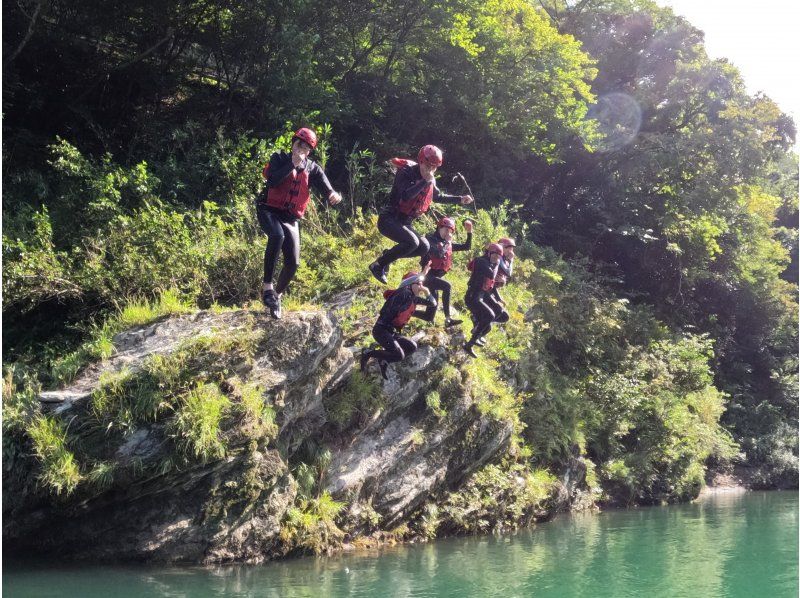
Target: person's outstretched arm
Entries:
(319, 181)
(465, 245)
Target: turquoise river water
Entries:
(727, 544)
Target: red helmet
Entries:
(507, 242)
(430, 155)
(448, 222)
(307, 135)
(494, 248)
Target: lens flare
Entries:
(618, 118)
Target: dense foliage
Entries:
(657, 200)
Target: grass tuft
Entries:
(59, 470)
(197, 423)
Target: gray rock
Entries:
(231, 509)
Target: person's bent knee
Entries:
(502, 317)
(276, 235)
(411, 245)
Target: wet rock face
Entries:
(208, 514)
(231, 508)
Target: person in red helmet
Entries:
(440, 259)
(506, 265)
(398, 309)
(504, 269)
(479, 288)
(281, 203)
(413, 191)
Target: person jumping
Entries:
(413, 191)
(400, 305)
(440, 259)
(279, 206)
(504, 269)
(479, 289)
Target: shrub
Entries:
(310, 526)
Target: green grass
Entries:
(499, 496)
(124, 399)
(139, 312)
(196, 426)
(100, 345)
(255, 411)
(433, 401)
(360, 396)
(310, 525)
(492, 395)
(59, 471)
(101, 476)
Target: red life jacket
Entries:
(419, 204)
(400, 162)
(291, 194)
(446, 261)
(402, 318)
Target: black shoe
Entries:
(378, 272)
(451, 322)
(384, 367)
(362, 362)
(272, 302)
(470, 350)
(481, 342)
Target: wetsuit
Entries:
(504, 269)
(478, 299)
(440, 257)
(395, 219)
(281, 225)
(399, 307)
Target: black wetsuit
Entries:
(479, 300)
(434, 280)
(504, 269)
(281, 227)
(395, 346)
(392, 223)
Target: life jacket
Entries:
(419, 204)
(488, 282)
(401, 162)
(503, 272)
(402, 318)
(291, 194)
(444, 261)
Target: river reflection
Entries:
(735, 544)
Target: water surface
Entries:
(734, 544)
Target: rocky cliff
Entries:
(229, 436)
